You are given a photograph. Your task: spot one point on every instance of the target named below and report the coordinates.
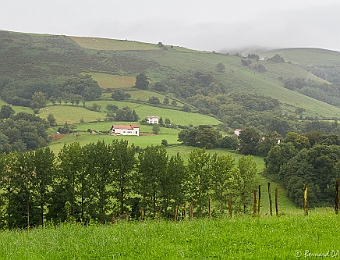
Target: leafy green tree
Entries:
(154, 100)
(199, 179)
(225, 179)
(277, 157)
(72, 181)
(249, 138)
(38, 100)
(120, 95)
(53, 100)
(5, 147)
(112, 108)
(247, 168)
(51, 120)
(6, 111)
(156, 129)
(142, 81)
(299, 141)
(152, 166)
(161, 87)
(43, 172)
(228, 142)
(126, 114)
(123, 165)
(166, 101)
(172, 184)
(188, 137)
(22, 210)
(267, 142)
(207, 137)
(220, 67)
(98, 166)
(276, 58)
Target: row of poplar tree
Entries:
(100, 179)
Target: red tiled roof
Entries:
(127, 127)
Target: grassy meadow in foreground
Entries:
(241, 237)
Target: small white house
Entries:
(152, 119)
(125, 130)
(237, 132)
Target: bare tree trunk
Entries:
(276, 201)
(270, 200)
(336, 199)
(254, 205)
(230, 205)
(305, 199)
(259, 201)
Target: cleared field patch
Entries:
(70, 114)
(171, 135)
(111, 44)
(176, 116)
(106, 81)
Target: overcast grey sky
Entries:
(203, 25)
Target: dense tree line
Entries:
(311, 158)
(21, 131)
(329, 93)
(22, 93)
(97, 180)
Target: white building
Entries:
(152, 119)
(125, 130)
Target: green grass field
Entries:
(243, 237)
(176, 116)
(70, 114)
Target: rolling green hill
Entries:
(239, 94)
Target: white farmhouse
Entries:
(152, 119)
(125, 130)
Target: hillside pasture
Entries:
(70, 114)
(177, 117)
(144, 140)
(106, 81)
(112, 44)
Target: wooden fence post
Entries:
(259, 201)
(276, 202)
(141, 214)
(176, 213)
(336, 199)
(184, 211)
(270, 200)
(112, 218)
(127, 216)
(209, 212)
(192, 209)
(254, 205)
(230, 205)
(159, 213)
(305, 199)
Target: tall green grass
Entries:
(241, 237)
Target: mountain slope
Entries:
(27, 57)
